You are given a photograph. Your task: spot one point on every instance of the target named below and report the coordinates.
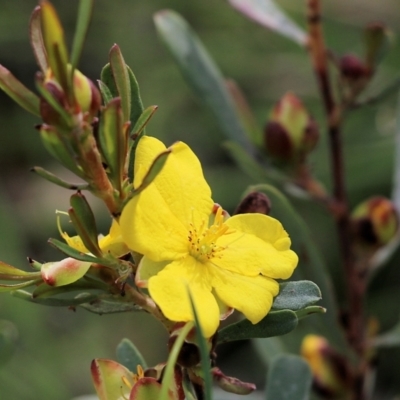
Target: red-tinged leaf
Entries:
(36, 37)
(18, 92)
(111, 380)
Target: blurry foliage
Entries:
(266, 66)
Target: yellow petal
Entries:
(252, 296)
(157, 221)
(169, 289)
(146, 269)
(259, 245)
(113, 242)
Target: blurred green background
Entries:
(55, 346)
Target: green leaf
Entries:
(82, 218)
(36, 38)
(108, 81)
(201, 72)
(71, 252)
(58, 181)
(138, 131)
(11, 288)
(268, 14)
(388, 339)
(113, 140)
(8, 272)
(274, 324)
(84, 15)
(60, 149)
(289, 378)
(154, 170)
(121, 79)
(18, 92)
(296, 295)
(129, 356)
(307, 311)
(109, 306)
(54, 302)
(105, 92)
(204, 353)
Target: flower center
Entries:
(203, 241)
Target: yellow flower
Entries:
(110, 244)
(187, 243)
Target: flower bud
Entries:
(352, 68)
(375, 221)
(254, 202)
(291, 133)
(329, 368)
(230, 384)
(64, 272)
(86, 94)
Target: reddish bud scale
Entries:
(352, 68)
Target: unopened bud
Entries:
(230, 384)
(352, 68)
(86, 94)
(291, 133)
(375, 221)
(64, 272)
(254, 202)
(329, 368)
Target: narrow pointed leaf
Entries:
(36, 37)
(60, 149)
(129, 356)
(108, 378)
(204, 354)
(105, 92)
(8, 272)
(71, 252)
(289, 378)
(58, 181)
(138, 131)
(84, 15)
(113, 141)
(84, 222)
(201, 73)
(296, 295)
(54, 302)
(268, 14)
(121, 79)
(154, 170)
(18, 92)
(54, 42)
(102, 306)
(10, 288)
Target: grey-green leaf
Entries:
(289, 378)
(200, 71)
(296, 295)
(129, 356)
(268, 14)
(274, 324)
